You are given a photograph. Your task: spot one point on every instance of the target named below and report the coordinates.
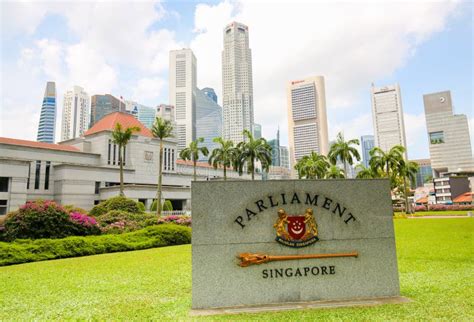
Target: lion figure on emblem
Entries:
(312, 227)
(280, 224)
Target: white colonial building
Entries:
(85, 170)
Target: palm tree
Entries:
(366, 173)
(334, 172)
(386, 161)
(313, 166)
(407, 170)
(345, 151)
(193, 151)
(161, 129)
(224, 155)
(252, 150)
(121, 137)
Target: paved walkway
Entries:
(436, 217)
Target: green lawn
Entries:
(440, 213)
(435, 263)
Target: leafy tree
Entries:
(121, 136)
(251, 151)
(192, 153)
(406, 170)
(334, 172)
(161, 129)
(313, 166)
(366, 173)
(386, 161)
(344, 150)
(224, 155)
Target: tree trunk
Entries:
(253, 170)
(407, 211)
(345, 169)
(194, 166)
(121, 170)
(160, 177)
(388, 171)
(225, 173)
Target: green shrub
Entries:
(153, 206)
(115, 203)
(117, 221)
(72, 208)
(141, 206)
(22, 251)
(45, 219)
(167, 206)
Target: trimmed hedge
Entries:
(25, 250)
(167, 206)
(115, 203)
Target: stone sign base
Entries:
(300, 306)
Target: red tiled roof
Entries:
(465, 197)
(41, 145)
(107, 123)
(422, 200)
(198, 164)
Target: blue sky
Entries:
(122, 48)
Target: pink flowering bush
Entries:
(118, 221)
(46, 219)
(175, 219)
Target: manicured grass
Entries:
(440, 213)
(435, 263)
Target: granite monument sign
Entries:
(257, 243)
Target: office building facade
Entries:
(307, 120)
(284, 157)
(144, 114)
(210, 93)
(387, 116)
(101, 105)
(47, 122)
(237, 89)
(448, 135)
(208, 121)
(367, 143)
(424, 172)
(182, 94)
(75, 118)
(257, 131)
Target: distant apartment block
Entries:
(387, 114)
(448, 135)
(75, 118)
(47, 122)
(101, 105)
(449, 188)
(307, 121)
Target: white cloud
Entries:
(148, 90)
(416, 135)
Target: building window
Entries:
(29, 175)
(46, 175)
(3, 207)
(172, 159)
(108, 158)
(97, 187)
(37, 174)
(4, 184)
(437, 137)
(115, 152)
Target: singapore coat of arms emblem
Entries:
(296, 230)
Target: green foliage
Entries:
(162, 128)
(118, 221)
(153, 205)
(45, 219)
(23, 251)
(224, 156)
(167, 206)
(193, 151)
(344, 151)
(251, 151)
(115, 203)
(72, 208)
(313, 166)
(141, 206)
(334, 172)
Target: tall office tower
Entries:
(424, 172)
(257, 131)
(284, 157)
(47, 122)
(208, 121)
(182, 94)
(387, 114)
(75, 120)
(102, 105)
(237, 89)
(275, 145)
(307, 122)
(448, 133)
(367, 143)
(144, 114)
(211, 93)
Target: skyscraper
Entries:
(101, 105)
(367, 143)
(182, 94)
(387, 114)
(257, 131)
(284, 157)
(144, 114)
(275, 145)
(211, 93)
(47, 122)
(75, 119)
(424, 172)
(237, 89)
(208, 121)
(307, 121)
(448, 134)
(166, 112)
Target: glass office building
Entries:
(208, 121)
(47, 123)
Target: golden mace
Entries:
(248, 259)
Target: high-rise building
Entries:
(208, 121)
(182, 94)
(101, 105)
(211, 93)
(367, 143)
(275, 145)
(387, 114)
(237, 89)
(75, 119)
(448, 135)
(166, 112)
(307, 121)
(144, 114)
(257, 131)
(424, 172)
(47, 122)
(284, 157)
